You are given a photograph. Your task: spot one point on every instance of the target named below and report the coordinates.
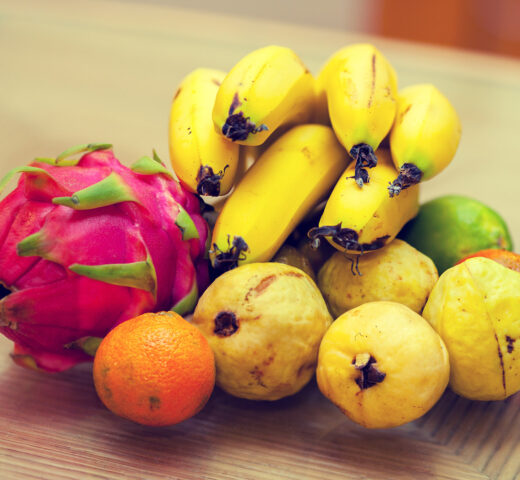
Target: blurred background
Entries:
(491, 26)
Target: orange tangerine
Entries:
(155, 369)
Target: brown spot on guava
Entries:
(155, 403)
(259, 289)
(226, 324)
(268, 361)
(293, 274)
(266, 281)
(257, 375)
(216, 82)
(177, 93)
(501, 363)
(510, 344)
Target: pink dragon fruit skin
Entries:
(86, 244)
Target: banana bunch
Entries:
(425, 135)
(265, 142)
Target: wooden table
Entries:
(106, 72)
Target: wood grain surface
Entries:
(78, 72)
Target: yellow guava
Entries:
(292, 256)
(264, 322)
(382, 364)
(475, 308)
(396, 273)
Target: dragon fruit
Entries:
(88, 243)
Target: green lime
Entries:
(451, 227)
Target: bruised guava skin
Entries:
(382, 364)
(475, 307)
(397, 273)
(264, 322)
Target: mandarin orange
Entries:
(506, 258)
(155, 369)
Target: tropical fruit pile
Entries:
(279, 235)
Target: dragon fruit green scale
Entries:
(86, 243)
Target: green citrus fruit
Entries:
(449, 228)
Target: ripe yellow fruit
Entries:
(424, 137)
(268, 88)
(382, 364)
(359, 220)
(274, 196)
(397, 273)
(475, 307)
(264, 322)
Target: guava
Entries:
(452, 227)
(264, 323)
(292, 256)
(382, 364)
(397, 272)
(475, 308)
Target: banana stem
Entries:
(345, 237)
(409, 174)
(238, 127)
(225, 261)
(208, 182)
(365, 158)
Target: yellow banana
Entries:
(203, 160)
(361, 220)
(361, 89)
(267, 88)
(425, 135)
(322, 109)
(282, 186)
